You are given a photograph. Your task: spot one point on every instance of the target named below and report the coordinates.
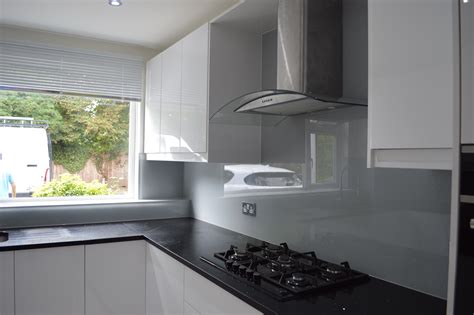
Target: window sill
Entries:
(69, 202)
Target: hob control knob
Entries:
(249, 274)
(228, 264)
(257, 278)
(235, 267)
(242, 269)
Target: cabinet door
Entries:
(194, 91)
(153, 105)
(7, 284)
(207, 298)
(411, 75)
(49, 281)
(115, 278)
(467, 69)
(189, 310)
(164, 283)
(171, 99)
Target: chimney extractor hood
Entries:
(321, 60)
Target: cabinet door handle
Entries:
(471, 224)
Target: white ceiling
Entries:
(149, 23)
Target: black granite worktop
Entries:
(188, 239)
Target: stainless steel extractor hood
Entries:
(321, 59)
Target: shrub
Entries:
(71, 185)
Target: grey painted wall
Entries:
(390, 223)
(160, 180)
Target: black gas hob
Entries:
(282, 272)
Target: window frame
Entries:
(135, 146)
(313, 129)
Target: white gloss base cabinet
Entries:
(49, 281)
(7, 284)
(412, 83)
(204, 297)
(129, 278)
(115, 278)
(172, 288)
(164, 283)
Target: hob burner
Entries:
(298, 280)
(239, 255)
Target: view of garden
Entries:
(89, 141)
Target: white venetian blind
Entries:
(50, 70)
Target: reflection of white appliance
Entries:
(24, 146)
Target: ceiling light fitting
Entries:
(115, 3)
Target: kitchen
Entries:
(284, 157)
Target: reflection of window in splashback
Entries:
(324, 168)
(249, 178)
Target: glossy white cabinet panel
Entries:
(411, 76)
(164, 283)
(194, 91)
(115, 278)
(207, 298)
(49, 281)
(153, 104)
(467, 69)
(193, 128)
(189, 310)
(171, 99)
(7, 285)
(220, 61)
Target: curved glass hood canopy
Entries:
(276, 105)
(287, 103)
(321, 63)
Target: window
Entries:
(67, 122)
(323, 157)
(57, 146)
(326, 153)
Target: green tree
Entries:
(81, 128)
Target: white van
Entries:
(26, 152)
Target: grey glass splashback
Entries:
(390, 223)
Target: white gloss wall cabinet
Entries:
(7, 285)
(164, 283)
(115, 278)
(49, 281)
(192, 80)
(412, 78)
(467, 71)
(152, 140)
(171, 98)
(194, 91)
(204, 297)
(176, 99)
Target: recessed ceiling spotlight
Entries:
(115, 3)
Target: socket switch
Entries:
(249, 208)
